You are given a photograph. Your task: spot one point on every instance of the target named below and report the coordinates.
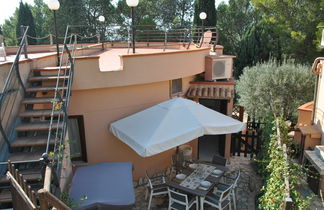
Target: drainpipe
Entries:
(316, 69)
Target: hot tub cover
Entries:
(107, 185)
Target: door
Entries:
(209, 145)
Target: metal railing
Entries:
(60, 102)
(159, 36)
(12, 93)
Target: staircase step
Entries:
(30, 175)
(25, 156)
(47, 78)
(43, 89)
(44, 100)
(40, 113)
(5, 196)
(40, 126)
(31, 142)
(52, 68)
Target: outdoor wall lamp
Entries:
(132, 4)
(55, 5)
(202, 17)
(102, 19)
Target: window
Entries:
(176, 87)
(77, 138)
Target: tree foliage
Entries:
(298, 20)
(207, 6)
(275, 89)
(25, 18)
(260, 42)
(233, 20)
(43, 21)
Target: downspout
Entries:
(316, 69)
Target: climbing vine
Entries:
(278, 167)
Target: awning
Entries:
(170, 124)
(211, 91)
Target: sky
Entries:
(8, 7)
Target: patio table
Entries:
(200, 192)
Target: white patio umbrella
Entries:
(170, 124)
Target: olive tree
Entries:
(276, 89)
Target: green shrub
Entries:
(275, 89)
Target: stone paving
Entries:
(248, 186)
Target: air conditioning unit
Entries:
(218, 67)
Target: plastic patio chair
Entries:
(205, 39)
(220, 199)
(234, 182)
(219, 160)
(177, 162)
(155, 186)
(180, 201)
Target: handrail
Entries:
(144, 33)
(60, 102)
(10, 92)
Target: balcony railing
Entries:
(155, 36)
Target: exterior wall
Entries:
(319, 110)
(227, 152)
(139, 69)
(305, 114)
(100, 107)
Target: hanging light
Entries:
(132, 3)
(53, 4)
(203, 15)
(101, 18)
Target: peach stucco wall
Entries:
(100, 107)
(139, 69)
(319, 112)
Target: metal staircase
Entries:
(33, 119)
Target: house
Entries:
(310, 135)
(110, 83)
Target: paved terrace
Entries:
(109, 59)
(11, 58)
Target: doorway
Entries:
(209, 145)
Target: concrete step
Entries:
(40, 113)
(47, 78)
(44, 100)
(44, 89)
(37, 141)
(30, 175)
(17, 157)
(39, 126)
(5, 196)
(52, 68)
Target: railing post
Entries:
(16, 66)
(75, 38)
(98, 38)
(51, 39)
(190, 37)
(165, 39)
(3, 133)
(42, 199)
(22, 29)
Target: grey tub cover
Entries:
(107, 185)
